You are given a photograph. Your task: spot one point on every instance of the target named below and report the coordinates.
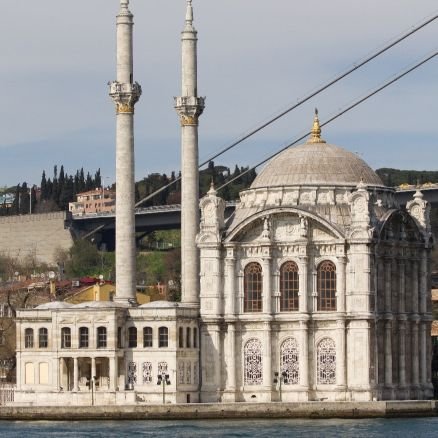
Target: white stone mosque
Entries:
(318, 284)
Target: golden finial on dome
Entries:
(315, 136)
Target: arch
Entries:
(252, 288)
(289, 287)
(43, 338)
(28, 338)
(253, 365)
(83, 337)
(326, 286)
(147, 337)
(326, 362)
(289, 361)
(65, 337)
(101, 337)
(338, 234)
(163, 337)
(132, 337)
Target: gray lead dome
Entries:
(316, 164)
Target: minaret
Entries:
(189, 107)
(125, 93)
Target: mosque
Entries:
(316, 288)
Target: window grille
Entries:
(253, 362)
(162, 368)
(326, 286)
(101, 337)
(65, 337)
(181, 373)
(147, 372)
(132, 373)
(147, 337)
(43, 337)
(289, 285)
(289, 362)
(163, 337)
(326, 362)
(252, 286)
(188, 373)
(83, 337)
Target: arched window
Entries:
(327, 286)
(83, 337)
(253, 362)
(289, 285)
(43, 338)
(132, 337)
(163, 337)
(101, 337)
(28, 338)
(326, 362)
(65, 337)
(289, 361)
(252, 301)
(147, 337)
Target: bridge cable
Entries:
(298, 104)
(339, 114)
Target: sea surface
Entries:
(418, 427)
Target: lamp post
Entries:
(163, 379)
(280, 378)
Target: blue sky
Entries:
(255, 58)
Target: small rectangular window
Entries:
(132, 337)
(101, 337)
(163, 337)
(147, 337)
(65, 337)
(28, 338)
(43, 338)
(188, 337)
(83, 337)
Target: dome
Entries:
(316, 163)
(54, 305)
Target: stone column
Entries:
(314, 290)
(231, 366)
(267, 286)
(93, 367)
(267, 357)
(303, 282)
(402, 294)
(75, 375)
(189, 107)
(341, 284)
(414, 286)
(304, 356)
(402, 354)
(423, 355)
(112, 373)
(388, 354)
(125, 94)
(230, 286)
(388, 285)
(341, 365)
(415, 357)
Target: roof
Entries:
(316, 164)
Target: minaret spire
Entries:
(125, 93)
(189, 107)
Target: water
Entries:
(370, 428)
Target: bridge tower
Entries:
(125, 93)
(189, 107)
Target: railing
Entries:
(6, 393)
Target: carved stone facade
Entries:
(356, 266)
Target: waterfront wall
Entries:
(36, 235)
(220, 411)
